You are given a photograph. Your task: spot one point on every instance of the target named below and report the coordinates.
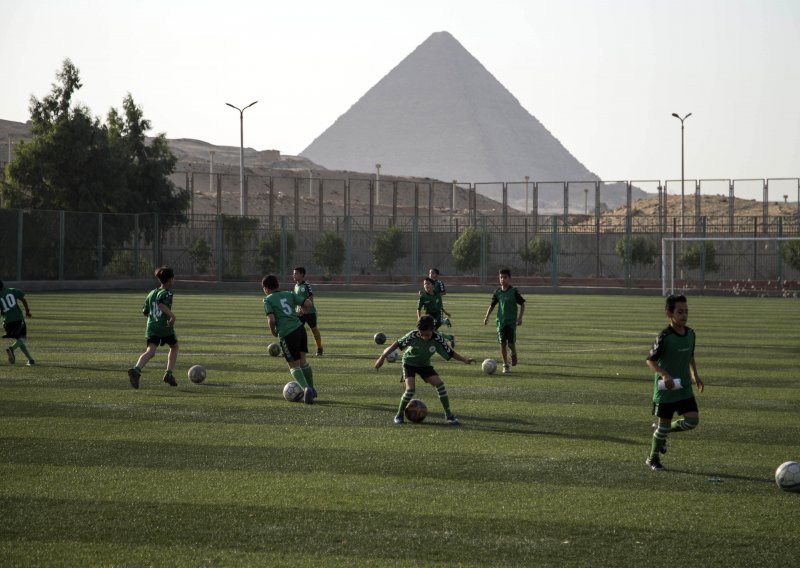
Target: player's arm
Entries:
(489, 311)
(695, 377)
(519, 315)
(27, 309)
(165, 310)
(382, 358)
(521, 303)
(305, 307)
(272, 326)
(656, 368)
(459, 357)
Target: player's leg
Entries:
(317, 339)
(408, 394)
(172, 358)
(511, 336)
(688, 421)
(136, 371)
(658, 443)
(436, 382)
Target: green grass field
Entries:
(547, 468)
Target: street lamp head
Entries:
(675, 114)
(230, 105)
(248, 106)
(687, 116)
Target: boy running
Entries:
(14, 326)
(672, 361)
(284, 323)
(420, 345)
(160, 328)
(431, 303)
(303, 288)
(507, 298)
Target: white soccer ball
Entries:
(489, 366)
(293, 392)
(394, 356)
(787, 476)
(197, 374)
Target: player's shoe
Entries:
(11, 357)
(399, 419)
(314, 392)
(30, 363)
(170, 380)
(506, 369)
(133, 377)
(453, 421)
(319, 352)
(513, 358)
(447, 322)
(654, 463)
(308, 395)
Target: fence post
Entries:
(19, 245)
(136, 245)
(220, 248)
(535, 208)
(730, 206)
(321, 200)
(554, 253)
(271, 186)
(779, 260)
(296, 206)
(283, 260)
(348, 247)
(414, 245)
(99, 246)
(703, 254)
(484, 252)
(628, 246)
(61, 223)
(505, 206)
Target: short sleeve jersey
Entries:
(156, 319)
(418, 351)
(303, 289)
(506, 302)
(9, 305)
(673, 353)
(430, 304)
(283, 305)
(438, 287)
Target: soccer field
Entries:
(547, 468)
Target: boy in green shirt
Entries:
(430, 301)
(309, 316)
(14, 326)
(507, 298)
(285, 324)
(672, 361)
(160, 328)
(420, 345)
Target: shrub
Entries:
(269, 251)
(643, 250)
(329, 253)
(200, 253)
(467, 249)
(691, 258)
(791, 254)
(387, 248)
(538, 251)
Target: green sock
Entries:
(24, 348)
(659, 439)
(309, 374)
(407, 396)
(683, 424)
(297, 375)
(444, 399)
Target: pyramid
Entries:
(440, 114)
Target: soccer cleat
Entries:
(314, 392)
(453, 421)
(506, 369)
(133, 377)
(11, 357)
(399, 419)
(654, 463)
(447, 322)
(319, 352)
(308, 395)
(170, 380)
(513, 358)
(30, 363)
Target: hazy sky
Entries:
(604, 76)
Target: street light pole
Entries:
(527, 179)
(242, 196)
(377, 184)
(683, 181)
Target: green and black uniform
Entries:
(417, 360)
(291, 332)
(14, 326)
(431, 304)
(506, 302)
(303, 289)
(157, 330)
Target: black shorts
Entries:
(425, 373)
(294, 344)
(15, 329)
(159, 341)
(668, 409)
(310, 319)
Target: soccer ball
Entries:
(787, 476)
(416, 411)
(274, 349)
(489, 366)
(197, 374)
(394, 356)
(293, 392)
(380, 338)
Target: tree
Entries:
(537, 252)
(643, 251)
(269, 251)
(467, 249)
(200, 253)
(329, 253)
(386, 248)
(691, 258)
(791, 254)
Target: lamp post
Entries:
(377, 184)
(683, 181)
(527, 179)
(585, 200)
(242, 196)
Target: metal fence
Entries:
(61, 245)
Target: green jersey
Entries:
(303, 289)
(283, 305)
(673, 353)
(156, 319)
(418, 351)
(438, 286)
(506, 302)
(430, 304)
(9, 305)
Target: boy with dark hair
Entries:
(14, 326)
(420, 345)
(507, 298)
(285, 324)
(160, 328)
(438, 285)
(672, 361)
(430, 302)
(303, 288)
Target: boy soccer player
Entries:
(14, 326)
(310, 316)
(160, 328)
(672, 361)
(284, 323)
(420, 345)
(431, 303)
(438, 287)
(507, 298)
